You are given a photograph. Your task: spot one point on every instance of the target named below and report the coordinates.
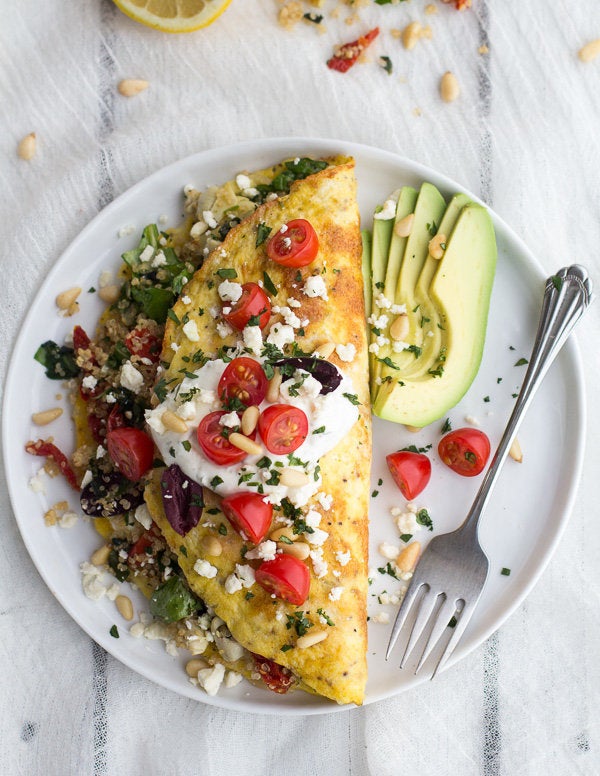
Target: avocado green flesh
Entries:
(366, 269)
(459, 290)
(429, 209)
(382, 238)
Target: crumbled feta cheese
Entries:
(89, 382)
(398, 346)
(142, 515)
(382, 302)
(126, 230)
(343, 558)
(232, 678)
(472, 420)
(346, 352)
(186, 299)
(110, 398)
(91, 581)
(210, 679)
(36, 482)
(374, 348)
(336, 593)
(320, 566)
(186, 411)
(214, 311)
(315, 286)
(190, 329)
(325, 500)
(174, 347)
(291, 302)
(223, 329)
(130, 378)
(398, 309)
(253, 340)
(290, 317)
(317, 538)
(160, 260)
(242, 577)
(280, 335)
(232, 584)
(381, 617)
(387, 211)
(250, 192)
(378, 321)
(68, 520)
(389, 551)
(204, 569)
(264, 551)
(230, 420)
(147, 253)
(230, 291)
(209, 219)
(242, 181)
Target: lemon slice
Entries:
(173, 15)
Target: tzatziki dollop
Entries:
(330, 416)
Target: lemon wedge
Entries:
(173, 15)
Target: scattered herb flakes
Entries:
(183, 550)
(223, 529)
(521, 362)
(374, 494)
(380, 482)
(269, 285)
(557, 282)
(287, 647)
(386, 64)
(91, 290)
(319, 430)
(498, 380)
(486, 398)
(423, 518)
(216, 480)
(388, 569)
(187, 445)
(114, 632)
(415, 449)
(314, 18)
(299, 622)
(249, 595)
(432, 228)
(453, 621)
(447, 426)
(505, 572)
(352, 398)
(388, 362)
(415, 350)
(262, 233)
(322, 613)
(470, 456)
(227, 273)
(405, 538)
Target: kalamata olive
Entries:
(182, 499)
(107, 495)
(323, 371)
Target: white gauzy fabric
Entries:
(524, 135)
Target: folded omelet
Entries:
(326, 297)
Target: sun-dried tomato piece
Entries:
(346, 55)
(50, 450)
(81, 341)
(276, 677)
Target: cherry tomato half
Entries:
(252, 304)
(249, 514)
(243, 379)
(296, 246)
(411, 472)
(282, 428)
(131, 451)
(215, 445)
(286, 577)
(465, 451)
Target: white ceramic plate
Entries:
(531, 503)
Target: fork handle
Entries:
(567, 295)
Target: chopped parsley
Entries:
(386, 64)
(505, 572)
(114, 632)
(299, 622)
(388, 362)
(227, 273)
(447, 426)
(223, 529)
(388, 569)
(319, 430)
(269, 285)
(557, 282)
(187, 445)
(322, 613)
(216, 480)
(352, 398)
(423, 518)
(521, 362)
(262, 232)
(183, 550)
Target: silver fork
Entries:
(451, 574)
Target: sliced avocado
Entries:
(460, 290)
(428, 212)
(406, 206)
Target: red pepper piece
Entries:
(276, 677)
(347, 54)
(50, 450)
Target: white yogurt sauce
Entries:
(197, 396)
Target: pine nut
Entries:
(274, 386)
(404, 227)
(590, 51)
(124, 606)
(411, 34)
(66, 299)
(250, 419)
(326, 349)
(194, 665)
(46, 416)
(286, 531)
(449, 87)
(293, 478)
(299, 550)
(515, 451)
(100, 556)
(173, 422)
(407, 560)
(129, 87)
(437, 246)
(399, 328)
(109, 294)
(311, 638)
(243, 443)
(212, 546)
(27, 147)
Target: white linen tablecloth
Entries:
(524, 135)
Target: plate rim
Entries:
(277, 146)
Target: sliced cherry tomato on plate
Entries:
(347, 54)
(283, 428)
(131, 451)
(212, 438)
(252, 306)
(286, 577)
(411, 472)
(243, 379)
(249, 514)
(140, 342)
(50, 450)
(296, 246)
(465, 451)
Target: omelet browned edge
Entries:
(335, 667)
